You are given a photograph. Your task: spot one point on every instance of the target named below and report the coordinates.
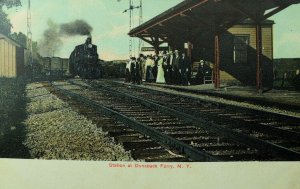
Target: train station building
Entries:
(233, 37)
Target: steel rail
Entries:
(255, 101)
(261, 145)
(278, 131)
(195, 154)
(266, 129)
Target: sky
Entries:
(111, 25)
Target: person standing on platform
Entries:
(169, 69)
(147, 62)
(165, 66)
(132, 69)
(184, 69)
(155, 68)
(143, 66)
(200, 72)
(160, 71)
(149, 65)
(175, 68)
(139, 69)
(127, 71)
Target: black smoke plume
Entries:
(78, 27)
(51, 42)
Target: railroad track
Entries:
(197, 139)
(255, 101)
(266, 131)
(142, 148)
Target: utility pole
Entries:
(141, 43)
(130, 9)
(130, 26)
(29, 37)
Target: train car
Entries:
(114, 69)
(55, 66)
(84, 61)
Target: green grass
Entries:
(12, 114)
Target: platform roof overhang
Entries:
(191, 17)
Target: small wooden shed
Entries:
(11, 57)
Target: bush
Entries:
(12, 114)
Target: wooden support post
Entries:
(156, 45)
(189, 50)
(258, 57)
(217, 62)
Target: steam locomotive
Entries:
(84, 61)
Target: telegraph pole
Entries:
(130, 9)
(140, 22)
(130, 26)
(29, 37)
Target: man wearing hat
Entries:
(184, 65)
(133, 69)
(167, 62)
(175, 68)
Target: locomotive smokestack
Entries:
(89, 40)
(89, 37)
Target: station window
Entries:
(240, 49)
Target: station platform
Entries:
(281, 99)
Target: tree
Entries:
(20, 38)
(10, 3)
(5, 25)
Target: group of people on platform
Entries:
(170, 68)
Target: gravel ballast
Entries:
(55, 131)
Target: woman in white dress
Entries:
(127, 71)
(160, 72)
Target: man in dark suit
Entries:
(133, 69)
(175, 68)
(138, 70)
(155, 67)
(184, 65)
(167, 66)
